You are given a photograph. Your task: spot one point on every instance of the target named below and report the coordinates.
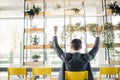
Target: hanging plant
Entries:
(78, 27)
(70, 28)
(108, 41)
(33, 11)
(92, 29)
(77, 10)
(114, 7)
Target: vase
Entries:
(109, 11)
(35, 60)
(35, 43)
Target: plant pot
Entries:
(109, 11)
(77, 11)
(35, 43)
(35, 60)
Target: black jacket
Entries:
(76, 61)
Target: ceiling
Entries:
(6, 5)
(11, 8)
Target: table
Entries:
(57, 69)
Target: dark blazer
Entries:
(76, 61)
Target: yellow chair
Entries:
(71, 75)
(41, 71)
(119, 74)
(16, 71)
(109, 71)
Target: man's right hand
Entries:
(97, 31)
(55, 29)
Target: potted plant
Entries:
(114, 7)
(35, 40)
(35, 58)
(118, 24)
(108, 40)
(77, 10)
(78, 27)
(92, 28)
(58, 6)
(70, 28)
(33, 11)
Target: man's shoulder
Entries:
(77, 53)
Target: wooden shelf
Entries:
(67, 14)
(39, 63)
(32, 30)
(56, 13)
(40, 46)
(101, 46)
(61, 45)
(114, 62)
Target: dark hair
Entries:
(76, 43)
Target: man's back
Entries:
(76, 61)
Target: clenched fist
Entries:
(55, 29)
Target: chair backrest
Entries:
(16, 71)
(109, 71)
(41, 71)
(71, 75)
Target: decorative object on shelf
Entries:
(58, 6)
(78, 24)
(33, 11)
(118, 24)
(114, 7)
(109, 37)
(118, 55)
(51, 44)
(77, 10)
(35, 58)
(35, 25)
(35, 40)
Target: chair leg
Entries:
(8, 77)
(50, 77)
(32, 77)
(25, 78)
(100, 76)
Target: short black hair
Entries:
(76, 43)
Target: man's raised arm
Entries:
(57, 49)
(92, 53)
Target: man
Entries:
(75, 61)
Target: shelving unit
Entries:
(65, 13)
